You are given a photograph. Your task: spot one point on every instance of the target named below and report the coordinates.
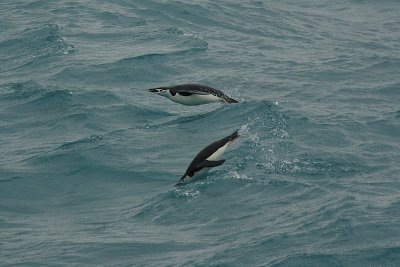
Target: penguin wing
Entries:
(209, 164)
(191, 92)
(203, 164)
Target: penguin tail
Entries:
(230, 100)
(234, 135)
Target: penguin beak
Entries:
(153, 90)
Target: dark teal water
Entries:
(88, 157)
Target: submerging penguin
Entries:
(193, 94)
(207, 158)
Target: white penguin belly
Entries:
(217, 155)
(194, 100)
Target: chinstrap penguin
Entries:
(193, 94)
(207, 158)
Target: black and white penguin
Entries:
(207, 158)
(193, 94)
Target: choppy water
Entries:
(88, 157)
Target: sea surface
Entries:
(89, 157)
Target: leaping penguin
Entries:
(207, 158)
(193, 94)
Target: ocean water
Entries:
(89, 157)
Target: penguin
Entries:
(207, 158)
(193, 94)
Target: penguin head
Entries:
(164, 91)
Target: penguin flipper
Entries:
(191, 92)
(230, 100)
(210, 163)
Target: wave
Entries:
(47, 102)
(312, 180)
(33, 44)
(386, 256)
(21, 90)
